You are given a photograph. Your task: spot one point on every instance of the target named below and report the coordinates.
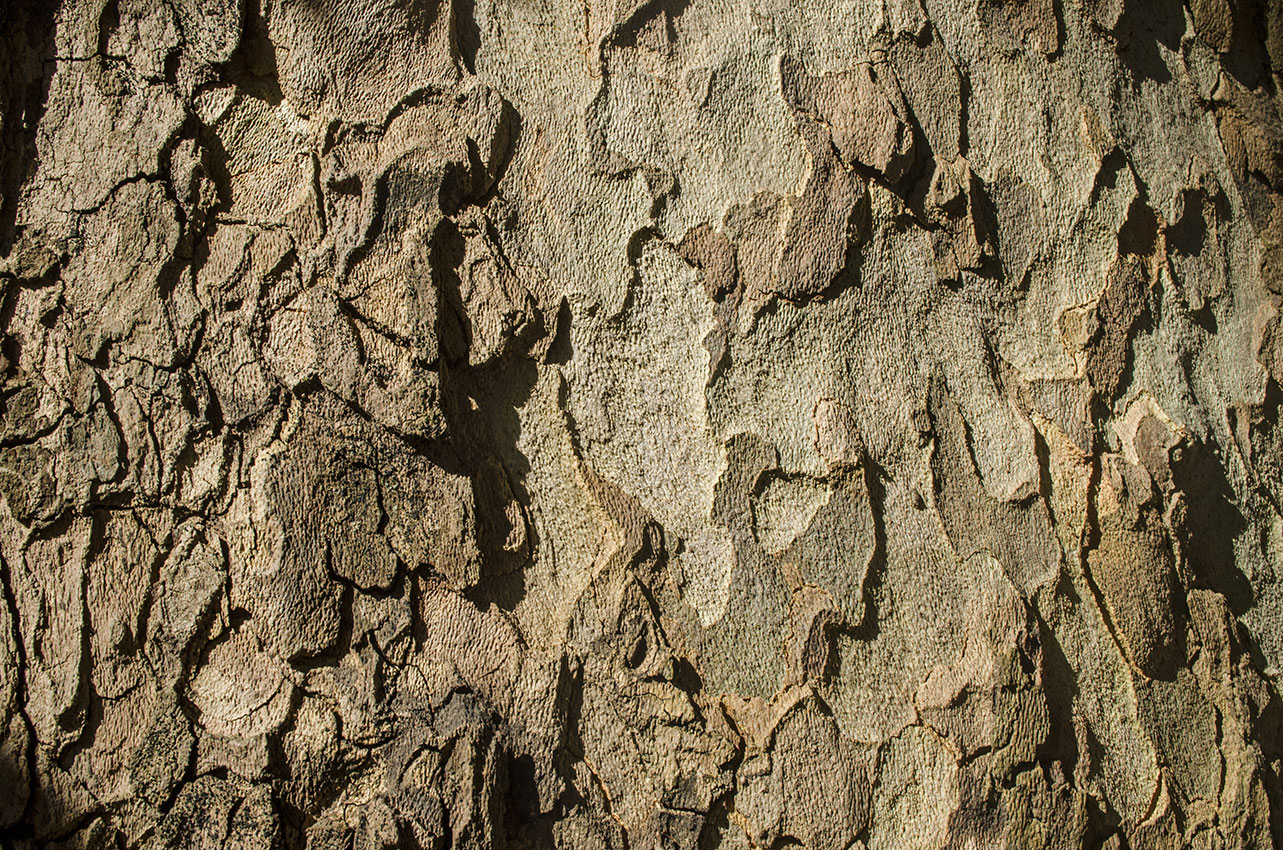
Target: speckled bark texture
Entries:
(641, 424)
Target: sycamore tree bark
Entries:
(641, 424)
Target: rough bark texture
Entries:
(641, 423)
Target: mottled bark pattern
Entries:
(641, 424)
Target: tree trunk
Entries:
(646, 423)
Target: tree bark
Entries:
(647, 423)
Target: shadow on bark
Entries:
(26, 68)
(481, 406)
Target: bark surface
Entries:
(641, 424)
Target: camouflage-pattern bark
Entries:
(641, 423)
